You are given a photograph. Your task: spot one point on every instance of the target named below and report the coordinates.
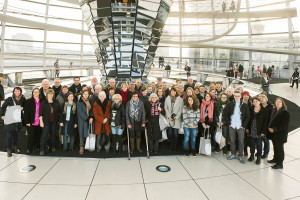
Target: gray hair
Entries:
(230, 89)
(102, 93)
(181, 85)
(98, 87)
(153, 95)
(45, 80)
(198, 84)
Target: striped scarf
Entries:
(154, 110)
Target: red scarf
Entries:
(204, 104)
(124, 96)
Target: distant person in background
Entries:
(44, 89)
(159, 82)
(57, 86)
(168, 70)
(161, 62)
(265, 83)
(76, 87)
(258, 72)
(253, 71)
(269, 72)
(230, 73)
(241, 71)
(57, 68)
(2, 95)
(236, 71)
(232, 5)
(188, 70)
(295, 77)
(224, 6)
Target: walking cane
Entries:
(128, 144)
(146, 136)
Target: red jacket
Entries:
(100, 116)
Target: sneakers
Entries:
(232, 156)
(241, 159)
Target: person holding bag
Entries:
(13, 119)
(221, 105)
(32, 121)
(101, 110)
(191, 117)
(85, 118)
(68, 121)
(295, 77)
(257, 128)
(49, 110)
(117, 122)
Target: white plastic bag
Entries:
(181, 131)
(164, 136)
(218, 135)
(90, 140)
(163, 124)
(205, 144)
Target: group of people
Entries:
(79, 110)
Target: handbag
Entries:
(218, 135)
(205, 144)
(163, 124)
(13, 114)
(91, 139)
(181, 131)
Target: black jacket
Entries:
(261, 121)
(215, 117)
(73, 120)
(118, 91)
(29, 111)
(45, 111)
(241, 68)
(188, 85)
(229, 73)
(295, 75)
(2, 95)
(280, 123)
(228, 112)
(73, 89)
(56, 90)
(120, 115)
(42, 95)
(153, 128)
(9, 102)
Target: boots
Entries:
(81, 151)
(138, 145)
(114, 143)
(9, 154)
(131, 145)
(120, 141)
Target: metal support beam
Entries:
(45, 36)
(2, 38)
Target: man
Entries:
(132, 86)
(165, 88)
(295, 77)
(44, 89)
(159, 82)
(190, 83)
(94, 82)
(112, 83)
(167, 70)
(161, 62)
(265, 83)
(57, 86)
(202, 91)
(138, 85)
(62, 96)
(76, 87)
(229, 92)
(2, 95)
(241, 71)
(237, 116)
(57, 68)
(230, 74)
(149, 90)
(188, 70)
(223, 6)
(269, 72)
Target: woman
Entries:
(278, 126)
(111, 92)
(153, 110)
(221, 104)
(84, 87)
(209, 117)
(161, 97)
(135, 120)
(32, 120)
(125, 93)
(257, 128)
(101, 110)
(117, 122)
(85, 118)
(49, 109)
(14, 128)
(181, 90)
(173, 109)
(68, 121)
(143, 95)
(236, 71)
(197, 93)
(191, 117)
(189, 92)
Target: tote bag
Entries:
(205, 143)
(163, 124)
(13, 114)
(218, 135)
(91, 139)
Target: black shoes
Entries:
(251, 158)
(186, 153)
(271, 161)
(9, 154)
(277, 166)
(264, 156)
(257, 161)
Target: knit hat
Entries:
(245, 93)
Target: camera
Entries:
(173, 116)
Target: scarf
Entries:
(72, 105)
(124, 96)
(204, 104)
(134, 109)
(220, 104)
(115, 106)
(102, 105)
(154, 110)
(88, 105)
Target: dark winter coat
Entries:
(29, 111)
(73, 88)
(73, 120)
(280, 123)
(188, 85)
(215, 117)
(228, 112)
(57, 90)
(120, 115)
(2, 96)
(261, 121)
(141, 117)
(45, 111)
(153, 128)
(9, 102)
(229, 73)
(83, 118)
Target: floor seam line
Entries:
(87, 194)
(143, 179)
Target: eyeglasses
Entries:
(135, 96)
(237, 96)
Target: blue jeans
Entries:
(12, 137)
(173, 136)
(46, 128)
(266, 142)
(225, 135)
(189, 133)
(258, 143)
(116, 131)
(72, 138)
